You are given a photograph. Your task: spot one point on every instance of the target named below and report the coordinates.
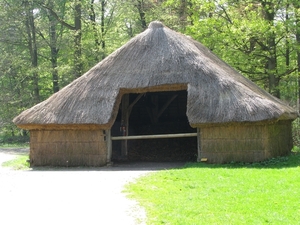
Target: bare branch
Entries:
(54, 14)
(226, 15)
(287, 72)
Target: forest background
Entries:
(46, 44)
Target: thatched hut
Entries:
(160, 84)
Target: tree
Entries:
(92, 17)
(249, 35)
(17, 63)
(46, 44)
(32, 47)
(297, 33)
(53, 37)
(77, 32)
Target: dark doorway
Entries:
(156, 113)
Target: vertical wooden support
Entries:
(125, 122)
(109, 146)
(199, 144)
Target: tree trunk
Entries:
(287, 50)
(103, 3)
(183, 13)
(78, 65)
(271, 67)
(271, 64)
(297, 13)
(54, 49)
(32, 46)
(141, 10)
(94, 27)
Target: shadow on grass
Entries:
(292, 160)
(124, 166)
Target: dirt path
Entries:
(71, 196)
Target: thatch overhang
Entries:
(158, 59)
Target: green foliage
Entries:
(262, 193)
(244, 35)
(296, 149)
(7, 138)
(296, 133)
(16, 80)
(256, 38)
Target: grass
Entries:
(18, 163)
(260, 193)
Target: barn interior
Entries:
(154, 113)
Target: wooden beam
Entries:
(156, 136)
(154, 112)
(166, 105)
(133, 103)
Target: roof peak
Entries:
(155, 25)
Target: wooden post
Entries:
(199, 144)
(108, 146)
(125, 122)
(126, 110)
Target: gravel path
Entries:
(70, 196)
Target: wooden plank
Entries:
(154, 136)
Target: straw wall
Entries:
(245, 143)
(67, 148)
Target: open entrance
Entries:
(156, 115)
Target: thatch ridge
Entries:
(157, 58)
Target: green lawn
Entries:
(18, 163)
(261, 193)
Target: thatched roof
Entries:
(158, 59)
